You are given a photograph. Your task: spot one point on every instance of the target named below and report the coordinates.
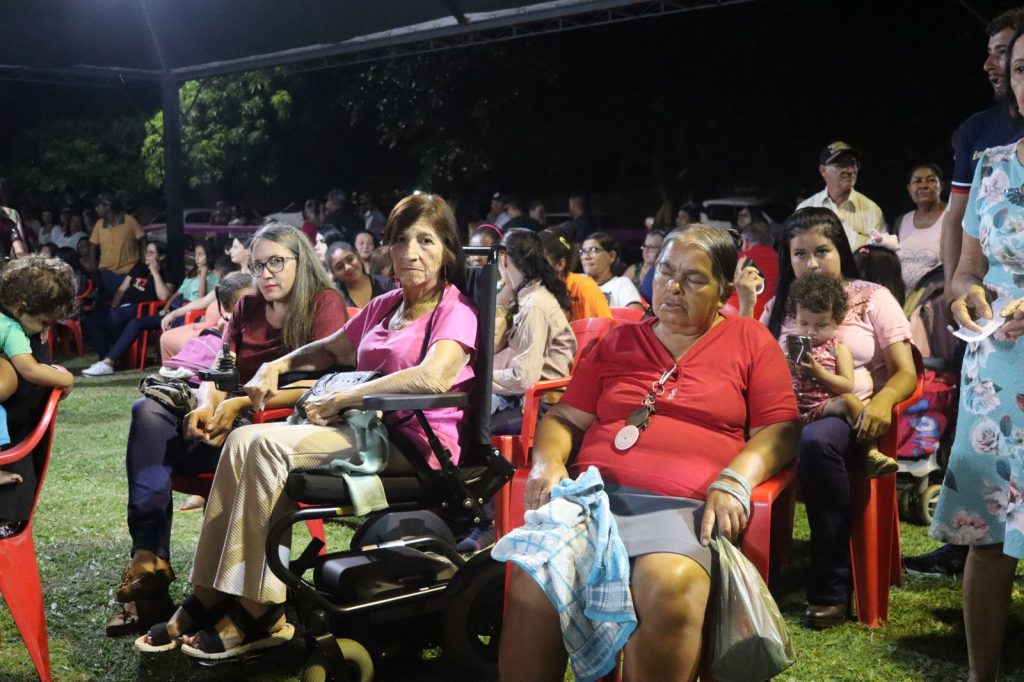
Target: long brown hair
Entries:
(310, 280)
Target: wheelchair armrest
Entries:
(299, 375)
(389, 402)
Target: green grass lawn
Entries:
(82, 542)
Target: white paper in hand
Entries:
(988, 327)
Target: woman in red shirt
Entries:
(725, 416)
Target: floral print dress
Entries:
(981, 500)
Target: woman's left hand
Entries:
(875, 419)
(722, 509)
(324, 409)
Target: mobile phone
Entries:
(798, 347)
(748, 262)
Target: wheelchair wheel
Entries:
(357, 658)
(926, 503)
(472, 622)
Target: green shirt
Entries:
(13, 340)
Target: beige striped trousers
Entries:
(248, 496)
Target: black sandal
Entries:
(200, 616)
(255, 635)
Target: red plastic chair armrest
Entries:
(274, 414)
(531, 406)
(28, 444)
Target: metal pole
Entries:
(174, 180)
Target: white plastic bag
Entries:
(750, 641)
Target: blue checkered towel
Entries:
(572, 548)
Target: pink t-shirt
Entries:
(387, 351)
(873, 322)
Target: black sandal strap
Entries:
(252, 628)
(158, 635)
(202, 616)
(211, 641)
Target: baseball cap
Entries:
(836, 150)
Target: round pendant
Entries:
(627, 437)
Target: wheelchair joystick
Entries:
(225, 374)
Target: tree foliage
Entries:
(230, 133)
(66, 162)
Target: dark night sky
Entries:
(742, 95)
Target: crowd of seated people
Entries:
(350, 288)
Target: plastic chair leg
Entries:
(21, 589)
(874, 545)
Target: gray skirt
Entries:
(650, 523)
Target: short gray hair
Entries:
(716, 243)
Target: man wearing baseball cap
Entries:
(839, 164)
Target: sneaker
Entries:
(175, 372)
(480, 537)
(98, 369)
(877, 464)
(947, 560)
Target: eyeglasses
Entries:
(592, 251)
(274, 265)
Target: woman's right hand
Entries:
(543, 477)
(748, 281)
(263, 385)
(974, 301)
(197, 421)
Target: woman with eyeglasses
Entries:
(682, 414)
(597, 256)
(420, 338)
(356, 286)
(295, 304)
(652, 247)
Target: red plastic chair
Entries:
(193, 316)
(19, 572)
(67, 330)
(137, 353)
(627, 314)
(588, 332)
(875, 525)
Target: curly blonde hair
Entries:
(36, 285)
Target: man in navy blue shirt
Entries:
(991, 127)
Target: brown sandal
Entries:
(148, 585)
(140, 615)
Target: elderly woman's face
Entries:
(417, 255)
(687, 296)
(811, 251)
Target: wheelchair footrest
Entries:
(353, 577)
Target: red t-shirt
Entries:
(256, 342)
(733, 379)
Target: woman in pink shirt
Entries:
(878, 335)
(420, 338)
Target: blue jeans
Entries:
(108, 282)
(155, 452)
(112, 332)
(826, 448)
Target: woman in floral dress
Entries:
(981, 503)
